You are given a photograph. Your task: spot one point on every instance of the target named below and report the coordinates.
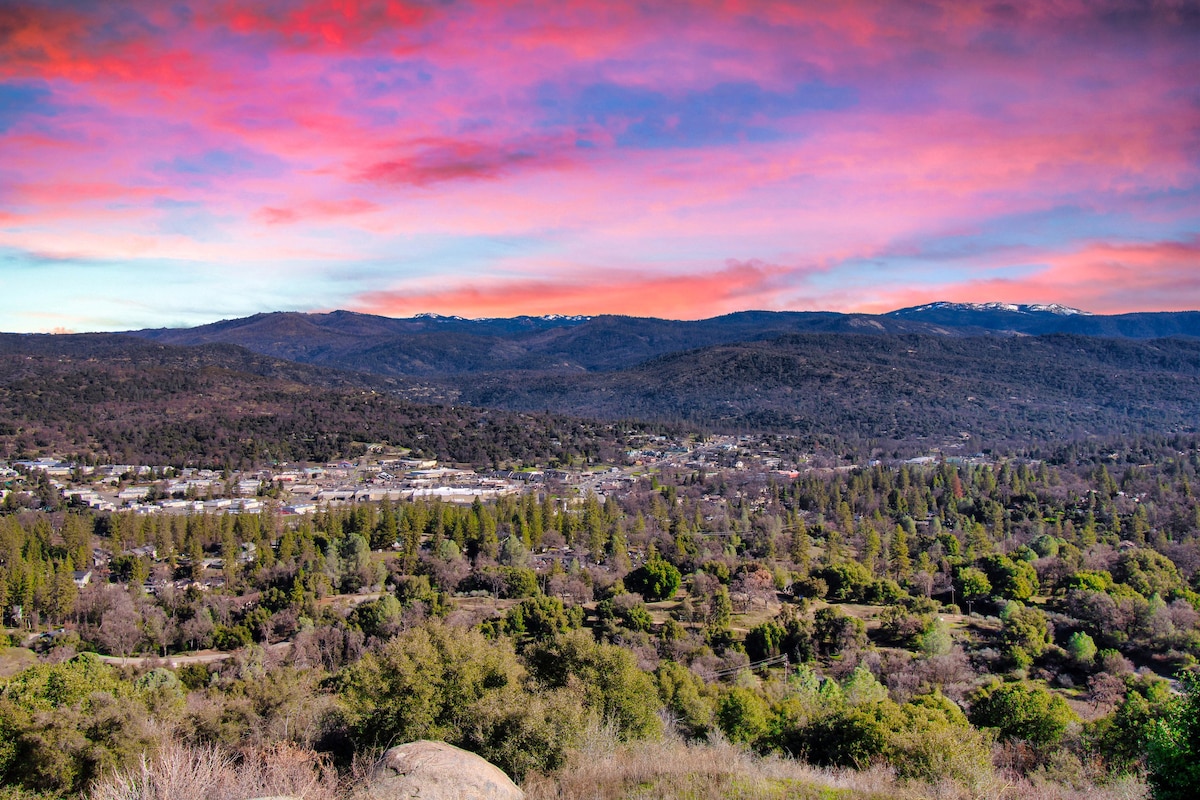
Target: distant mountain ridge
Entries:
(1042, 319)
(130, 400)
(430, 345)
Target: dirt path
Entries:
(199, 657)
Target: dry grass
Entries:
(601, 769)
(15, 659)
(206, 773)
(672, 770)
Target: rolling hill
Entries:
(1012, 389)
(122, 399)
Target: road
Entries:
(199, 657)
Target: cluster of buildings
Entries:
(381, 474)
(298, 489)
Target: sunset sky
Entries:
(169, 163)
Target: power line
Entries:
(773, 661)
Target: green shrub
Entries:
(742, 715)
(1021, 711)
(657, 579)
(1174, 745)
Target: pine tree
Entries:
(901, 563)
(872, 545)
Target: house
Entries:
(133, 493)
(82, 577)
(145, 551)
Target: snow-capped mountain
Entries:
(429, 315)
(1015, 308)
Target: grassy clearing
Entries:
(755, 614)
(15, 659)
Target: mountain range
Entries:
(300, 383)
(431, 345)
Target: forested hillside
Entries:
(1001, 390)
(819, 618)
(114, 398)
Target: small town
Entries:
(290, 492)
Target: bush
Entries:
(539, 618)
(1023, 712)
(1025, 633)
(1174, 745)
(613, 686)
(1120, 738)
(742, 715)
(936, 742)
(847, 737)
(519, 582)
(972, 583)
(63, 725)
(1012, 580)
(848, 581)
(765, 640)
(1082, 649)
(1147, 572)
(834, 632)
(683, 693)
(657, 579)
(231, 638)
(417, 685)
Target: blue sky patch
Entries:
(18, 100)
(723, 114)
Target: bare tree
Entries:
(121, 627)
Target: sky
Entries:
(174, 163)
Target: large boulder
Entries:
(437, 771)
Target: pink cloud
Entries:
(321, 24)
(739, 285)
(315, 210)
(1102, 277)
(437, 161)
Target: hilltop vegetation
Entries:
(117, 399)
(818, 619)
(1004, 391)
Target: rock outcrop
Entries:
(436, 771)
